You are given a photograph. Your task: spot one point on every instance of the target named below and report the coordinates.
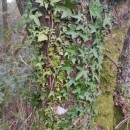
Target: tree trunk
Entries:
(21, 6)
(124, 75)
(5, 22)
(6, 30)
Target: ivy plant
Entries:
(68, 41)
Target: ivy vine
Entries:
(67, 37)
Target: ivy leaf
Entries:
(67, 4)
(64, 8)
(107, 21)
(78, 16)
(95, 8)
(42, 37)
(52, 2)
(81, 97)
(97, 78)
(36, 18)
(51, 94)
(72, 33)
(77, 90)
(79, 68)
(46, 4)
(92, 28)
(66, 12)
(79, 75)
(95, 53)
(68, 84)
(87, 96)
(40, 2)
(81, 27)
(68, 69)
(39, 66)
(84, 36)
(55, 1)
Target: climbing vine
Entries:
(67, 39)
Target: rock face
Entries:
(124, 60)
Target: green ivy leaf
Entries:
(68, 69)
(79, 75)
(68, 4)
(66, 12)
(68, 84)
(87, 97)
(72, 33)
(36, 18)
(77, 90)
(95, 8)
(107, 21)
(81, 27)
(84, 36)
(92, 28)
(78, 16)
(52, 2)
(51, 94)
(95, 53)
(81, 97)
(42, 37)
(40, 2)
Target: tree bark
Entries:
(124, 75)
(4, 10)
(21, 6)
(6, 30)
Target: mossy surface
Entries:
(106, 110)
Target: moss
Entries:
(106, 113)
(108, 116)
(118, 119)
(108, 82)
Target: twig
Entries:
(50, 34)
(25, 122)
(76, 121)
(24, 62)
(121, 123)
(111, 60)
(128, 125)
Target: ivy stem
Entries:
(105, 56)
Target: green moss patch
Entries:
(106, 110)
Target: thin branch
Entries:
(121, 123)
(24, 62)
(128, 125)
(25, 122)
(111, 60)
